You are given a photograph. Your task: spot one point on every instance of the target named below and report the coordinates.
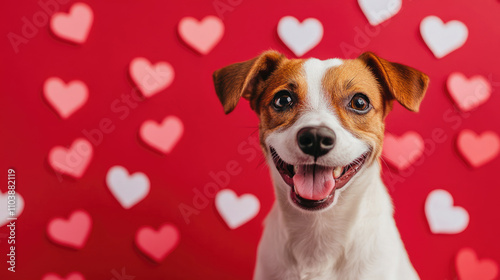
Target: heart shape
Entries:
(70, 276)
(157, 244)
(300, 37)
(401, 152)
(468, 93)
(442, 216)
(202, 35)
(65, 98)
(162, 137)
(378, 11)
(443, 38)
(72, 232)
(4, 213)
(127, 189)
(478, 150)
(469, 267)
(151, 79)
(235, 210)
(73, 161)
(74, 26)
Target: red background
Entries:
(208, 249)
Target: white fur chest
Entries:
(357, 240)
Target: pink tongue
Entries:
(314, 182)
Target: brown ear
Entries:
(403, 83)
(243, 79)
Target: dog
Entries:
(321, 131)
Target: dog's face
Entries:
(321, 122)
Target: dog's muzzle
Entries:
(313, 186)
(316, 141)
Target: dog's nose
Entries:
(316, 141)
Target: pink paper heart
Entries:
(72, 232)
(70, 276)
(151, 79)
(157, 244)
(202, 35)
(469, 267)
(164, 136)
(478, 150)
(65, 98)
(468, 93)
(75, 25)
(401, 152)
(72, 161)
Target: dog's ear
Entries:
(244, 79)
(400, 82)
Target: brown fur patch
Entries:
(341, 84)
(288, 76)
(244, 79)
(398, 81)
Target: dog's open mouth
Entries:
(313, 186)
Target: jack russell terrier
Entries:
(321, 131)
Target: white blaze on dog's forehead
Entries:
(320, 113)
(315, 70)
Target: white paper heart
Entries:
(443, 38)
(127, 189)
(378, 11)
(442, 216)
(4, 213)
(235, 210)
(300, 37)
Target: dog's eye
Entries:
(360, 103)
(282, 100)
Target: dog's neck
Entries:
(328, 236)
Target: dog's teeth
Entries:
(337, 171)
(295, 168)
